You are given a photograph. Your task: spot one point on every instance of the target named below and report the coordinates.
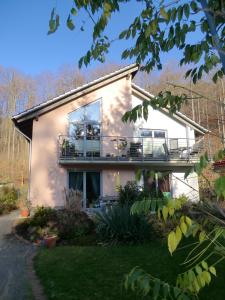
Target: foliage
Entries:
(210, 244)
(146, 284)
(72, 224)
(117, 225)
(73, 199)
(8, 199)
(66, 224)
(163, 207)
(129, 193)
(158, 29)
(43, 215)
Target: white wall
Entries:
(159, 120)
(188, 187)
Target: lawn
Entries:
(96, 273)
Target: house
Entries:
(77, 140)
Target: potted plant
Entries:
(24, 206)
(24, 203)
(50, 236)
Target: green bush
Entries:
(67, 224)
(129, 193)
(117, 225)
(8, 199)
(43, 215)
(72, 224)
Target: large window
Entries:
(85, 129)
(88, 183)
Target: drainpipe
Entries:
(30, 153)
(188, 141)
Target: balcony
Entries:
(127, 150)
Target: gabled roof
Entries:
(177, 115)
(24, 119)
(75, 93)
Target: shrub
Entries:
(72, 224)
(129, 193)
(117, 225)
(8, 199)
(67, 224)
(43, 215)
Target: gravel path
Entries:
(14, 254)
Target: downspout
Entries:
(30, 153)
(188, 141)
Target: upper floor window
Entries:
(152, 133)
(85, 122)
(88, 113)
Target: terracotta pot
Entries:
(24, 212)
(50, 241)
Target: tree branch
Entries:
(212, 27)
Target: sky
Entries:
(26, 46)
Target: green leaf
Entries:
(73, 11)
(163, 13)
(69, 23)
(183, 227)
(198, 269)
(212, 270)
(205, 265)
(178, 234)
(201, 280)
(165, 212)
(123, 34)
(156, 289)
(186, 10)
(172, 242)
(202, 236)
(207, 277)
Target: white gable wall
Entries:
(159, 120)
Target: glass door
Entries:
(89, 184)
(92, 189)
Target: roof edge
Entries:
(131, 69)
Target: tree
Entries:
(161, 27)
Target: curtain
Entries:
(76, 181)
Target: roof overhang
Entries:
(178, 116)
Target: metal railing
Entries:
(128, 148)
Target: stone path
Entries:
(14, 254)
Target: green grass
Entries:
(96, 273)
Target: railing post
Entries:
(117, 147)
(142, 148)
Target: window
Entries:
(90, 113)
(88, 183)
(85, 129)
(160, 134)
(144, 132)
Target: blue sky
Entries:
(26, 46)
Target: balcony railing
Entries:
(110, 148)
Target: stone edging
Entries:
(37, 289)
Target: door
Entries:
(89, 184)
(92, 189)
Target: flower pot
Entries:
(50, 241)
(24, 212)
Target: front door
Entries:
(89, 183)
